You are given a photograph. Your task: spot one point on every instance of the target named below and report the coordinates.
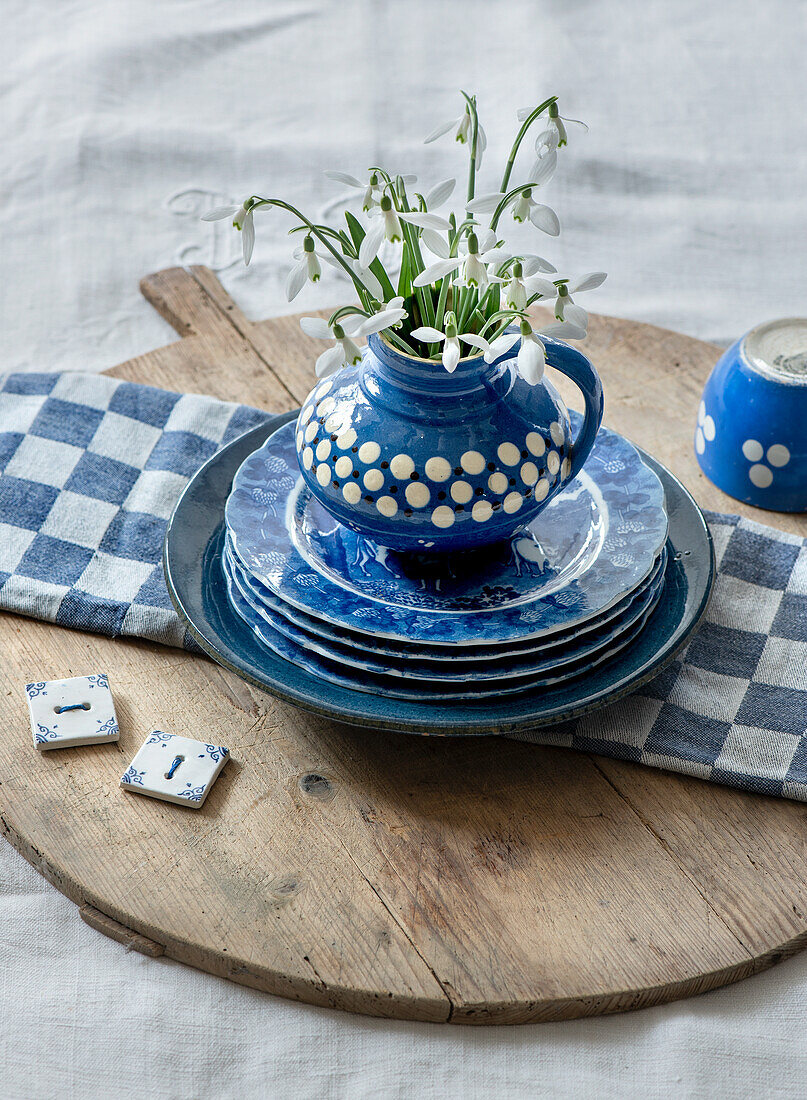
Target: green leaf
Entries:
(405, 278)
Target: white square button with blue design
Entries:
(176, 769)
(68, 713)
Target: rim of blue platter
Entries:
(192, 561)
(590, 546)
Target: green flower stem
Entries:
(471, 101)
(364, 292)
(528, 121)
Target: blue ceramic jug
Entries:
(751, 434)
(417, 459)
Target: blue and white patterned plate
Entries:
(590, 546)
(192, 558)
(337, 673)
(375, 646)
(555, 656)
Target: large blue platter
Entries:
(192, 559)
(589, 547)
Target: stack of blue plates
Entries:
(566, 595)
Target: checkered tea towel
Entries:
(90, 469)
(733, 707)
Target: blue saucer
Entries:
(392, 686)
(555, 656)
(261, 597)
(192, 559)
(592, 544)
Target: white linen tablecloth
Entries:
(123, 120)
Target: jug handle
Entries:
(576, 366)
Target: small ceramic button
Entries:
(176, 769)
(67, 713)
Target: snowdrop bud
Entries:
(450, 325)
(473, 244)
(557, 122)
(521, 210)
(518, 270)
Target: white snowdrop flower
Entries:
(565, 307)
(389, 317)
(471, 266)
(525, 208)
(307, 267)
(371, 189)
(518, 289)
(450, 339)
(364, 274)
(463, 132)
(344, 351)
(533, 264)
(556, 125)
(439, 194)
(242, 220)
(385, 224)
(531, 358)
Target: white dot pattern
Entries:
(326, 407)
(536, 478)
(443, 516)
(417, 494)
(346, 439)
(461, 492)
(369, 452)
(402, 466)
(752, 449)
(778, 455)
(473, 462)
(761, 476)
(438, 469)
(529, 473)
(373, 480)
(709, 428)
(508, 453)
(535, 443)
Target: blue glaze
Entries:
(557, 656)
(751, 434)
(414, 458)
(592, 545)
(375, 646)
(192, 560)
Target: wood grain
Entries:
(478, 881)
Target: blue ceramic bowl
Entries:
(751, 435)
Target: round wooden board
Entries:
(471, 881)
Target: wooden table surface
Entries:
(471, 881)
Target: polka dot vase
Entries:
(751, 431)
(417, 459)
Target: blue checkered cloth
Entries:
(90, 470)
(91, 467)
